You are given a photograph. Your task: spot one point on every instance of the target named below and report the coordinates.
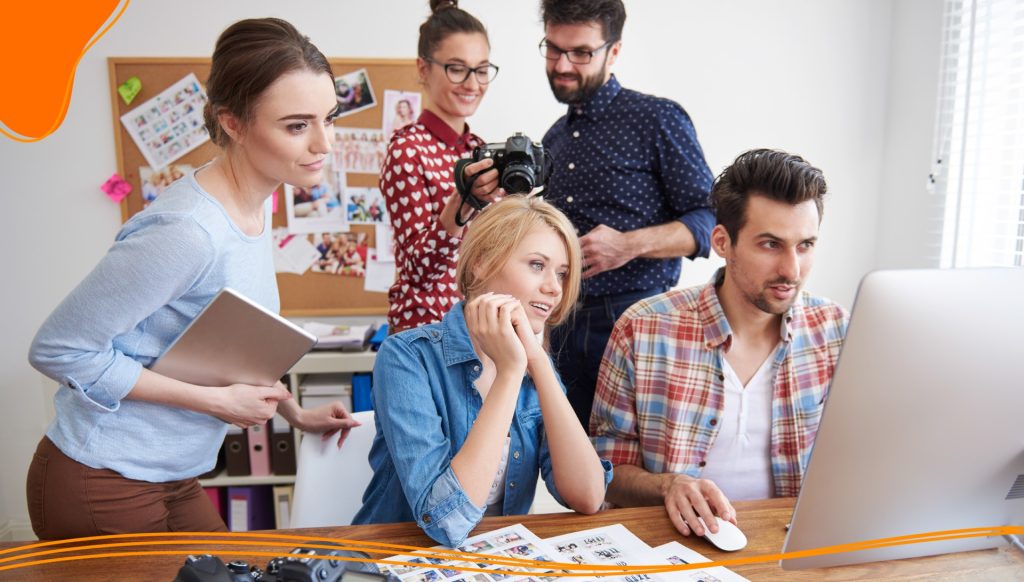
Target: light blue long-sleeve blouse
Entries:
(166, 264)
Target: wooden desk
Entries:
(763, 522)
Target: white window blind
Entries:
(979, 159)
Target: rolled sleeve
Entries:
(613, 423)
(153, 261)
(700, 222)
(685, 175)
(447, 515)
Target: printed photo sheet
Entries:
(514, 541)
(615, 544)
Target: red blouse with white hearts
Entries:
(416, 180)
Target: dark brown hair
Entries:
(610, 13)
(446, 19)
(250, 55)
(775, 174)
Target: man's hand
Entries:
(687, 498)
(605, 249)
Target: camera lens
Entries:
(517, 179)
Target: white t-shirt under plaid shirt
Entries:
(660, 390)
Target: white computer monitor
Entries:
(923, 429)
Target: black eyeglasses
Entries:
(458, 74)
(575, 56)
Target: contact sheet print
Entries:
(612, 545)
(514, 541)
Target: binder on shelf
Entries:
(282, 447)
(250, 508)
(217, 497)
(259, 450)
(361, 383)
(379, 337)
(283, 505)
(236, 452)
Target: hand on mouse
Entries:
(687, 498)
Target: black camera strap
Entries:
(464, 186)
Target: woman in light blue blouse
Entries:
(470, 409)
(127, 443)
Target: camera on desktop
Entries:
(522, 165)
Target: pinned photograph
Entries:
(155, 182)
(400, 109)
(316, 209)
(354, 92)
(343, 253)
(169, 125)
(359, 150)
(365, 206)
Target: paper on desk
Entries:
(608, 545)
(380, 275)
(677, 553)
(513, 541)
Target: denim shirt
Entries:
(426, 403)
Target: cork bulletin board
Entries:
(309, 294)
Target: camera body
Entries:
(300, 565)
(522, 164)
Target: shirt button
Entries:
(702, 463)
(515, 455)
(476, 368)
(572, 166)
(568, 199)
(426, 518)
(575, 134)
(512, 485)
(713, 422)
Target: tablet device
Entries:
(234, 340)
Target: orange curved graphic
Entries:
(20, 557)
(40, 48)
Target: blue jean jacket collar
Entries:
(455, 342)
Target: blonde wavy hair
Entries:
(492, 236)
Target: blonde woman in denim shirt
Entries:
(470, 409)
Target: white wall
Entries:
(814, 77)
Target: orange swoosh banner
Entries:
(198, 543)
(40, 49)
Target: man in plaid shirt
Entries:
(715, 392)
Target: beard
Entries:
(586, 87)
(763, 302)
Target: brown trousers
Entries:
(67, 499)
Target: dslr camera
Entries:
(300, 565)
(522, 165)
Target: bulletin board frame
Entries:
(310, 294)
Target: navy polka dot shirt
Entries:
(630, 161)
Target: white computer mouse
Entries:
(729, 537)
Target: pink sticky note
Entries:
(273, 203)
(116, 188)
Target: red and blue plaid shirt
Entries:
(660, 390)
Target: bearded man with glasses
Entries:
(629, 173)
